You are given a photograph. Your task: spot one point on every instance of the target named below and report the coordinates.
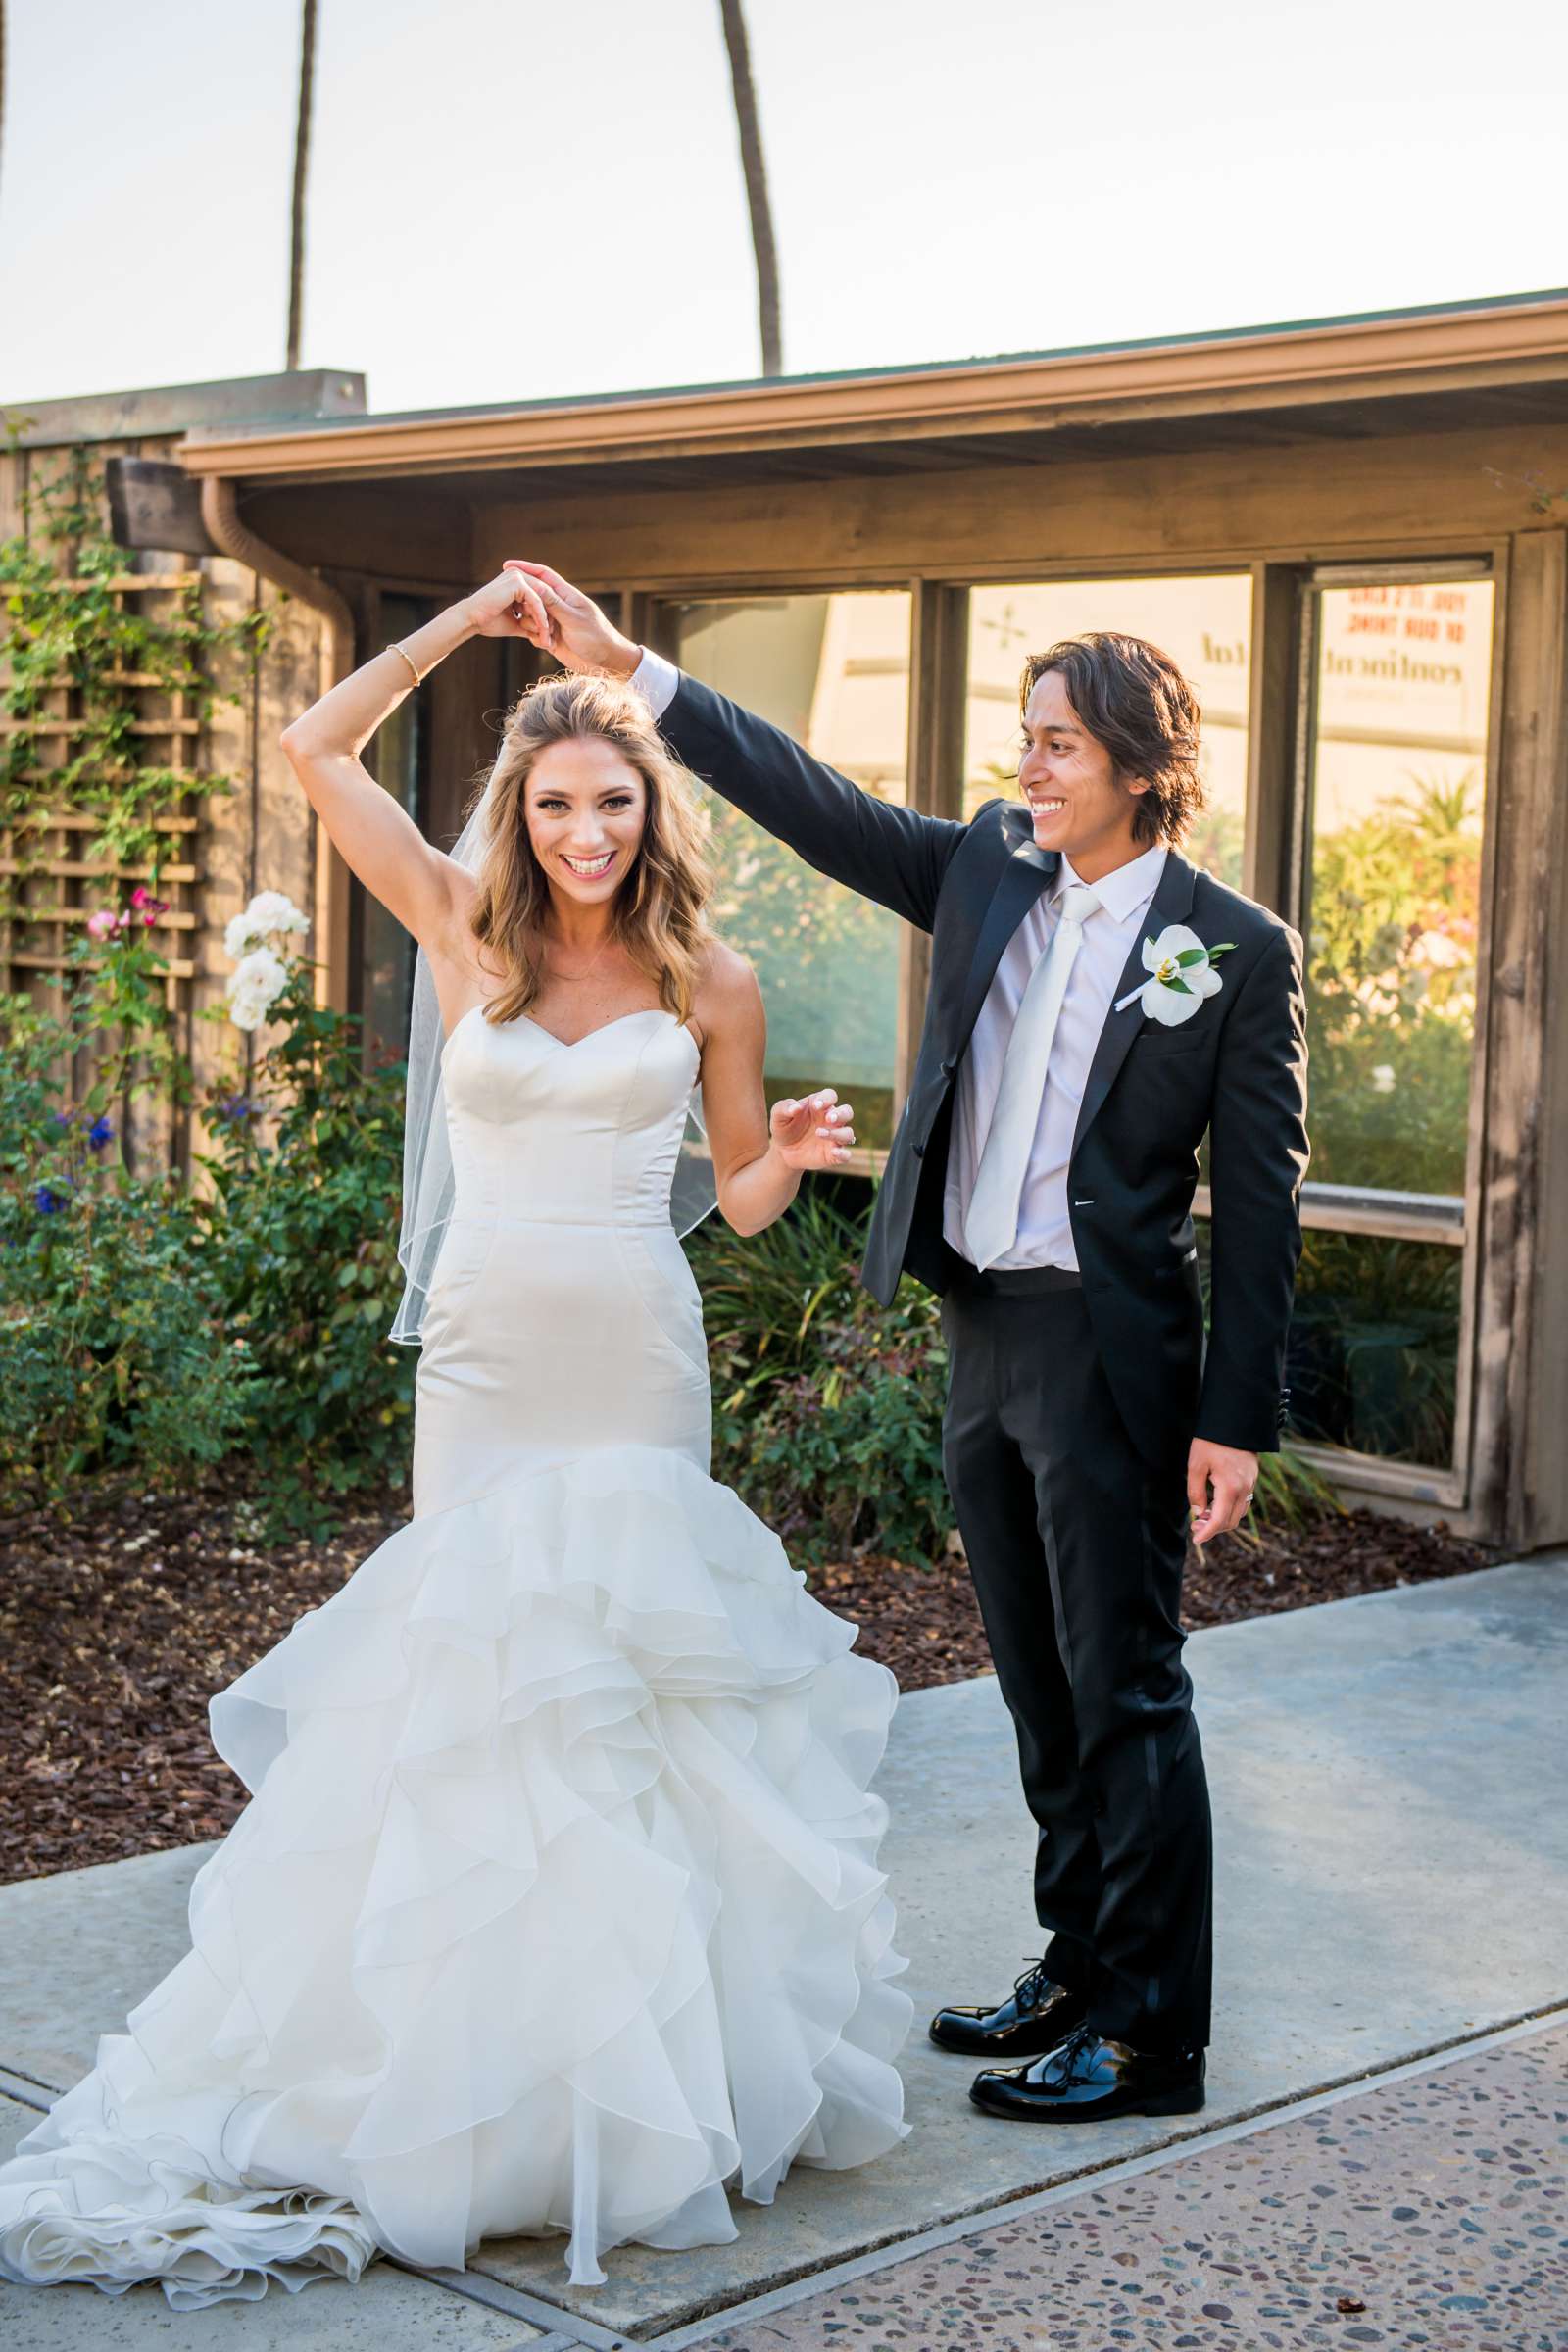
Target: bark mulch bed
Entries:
(116, 1628)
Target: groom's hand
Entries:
(1220, 1480)
(578, 634)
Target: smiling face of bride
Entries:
(586, 811)
(593, 823)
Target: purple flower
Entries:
(47, 1200)
(63, 1119)
(100, 1132)
(238, 1106)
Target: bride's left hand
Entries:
(816, 1132)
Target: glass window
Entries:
(833, 672)
(1399, 678)
(1372, 1359)
(1374, 1344)
(1205, 625)
(1398, 787)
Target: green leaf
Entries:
(1178, 988)
(1192, 955)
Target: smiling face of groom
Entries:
(1071, 785)
(1108, 761)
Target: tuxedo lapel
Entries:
(1027, 871)
(1171, 902)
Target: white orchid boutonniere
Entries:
(1180, 975)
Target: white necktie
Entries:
(991, 1223)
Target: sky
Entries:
(510, 198)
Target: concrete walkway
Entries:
(1390, 1878)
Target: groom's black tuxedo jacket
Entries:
(1237, 1069)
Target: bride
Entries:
(555, 1906)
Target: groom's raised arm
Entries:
(894, 856)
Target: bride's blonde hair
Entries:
(658, 909)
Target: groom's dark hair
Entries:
(1134, 700)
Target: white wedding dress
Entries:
(555, 1905)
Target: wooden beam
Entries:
(1520, 1462)
(1406, 496)
(1271, 733)
(938, 675)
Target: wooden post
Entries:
(1520, 1486)
(1271, 722)
(938, 628)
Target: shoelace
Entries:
(1071, 2043)
(1027, 1987)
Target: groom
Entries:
(1097, 1006)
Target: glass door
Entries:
(1387, 890)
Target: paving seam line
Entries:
(563, 2328)
(20, 2074)
(567, 2332)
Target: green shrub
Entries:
(827, 1408)
(303, 1223)
(114, 1350)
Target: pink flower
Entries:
(100, 923)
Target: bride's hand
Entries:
(580, 637)
(816, 1132)
(511, 606)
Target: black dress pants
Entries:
(1076, 1548)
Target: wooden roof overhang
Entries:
(1497, 362)
(598, 470)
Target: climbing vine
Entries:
(73, 621)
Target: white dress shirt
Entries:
(1110, 933)
(1044, 1227)
(656, 680)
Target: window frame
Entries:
(1278, 772)
(1453, 1220)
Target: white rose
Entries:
(269, 911)
(254, 985)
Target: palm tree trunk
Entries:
(751, 133)
(302, 165)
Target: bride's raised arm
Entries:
(382, 843)
(759, 1155)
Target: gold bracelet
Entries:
(409, 659)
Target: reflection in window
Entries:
(1205, 625)
(834, 672)
(1374, 1348)
(1397, 790)
(1373, 1355)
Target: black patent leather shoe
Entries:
(1035, 2016)
(1088, 2078)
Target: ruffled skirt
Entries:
(556, 1907)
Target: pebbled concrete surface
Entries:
(1433, 2213)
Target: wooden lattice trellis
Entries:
(54, 872)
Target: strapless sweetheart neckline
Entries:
(567, 1044)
